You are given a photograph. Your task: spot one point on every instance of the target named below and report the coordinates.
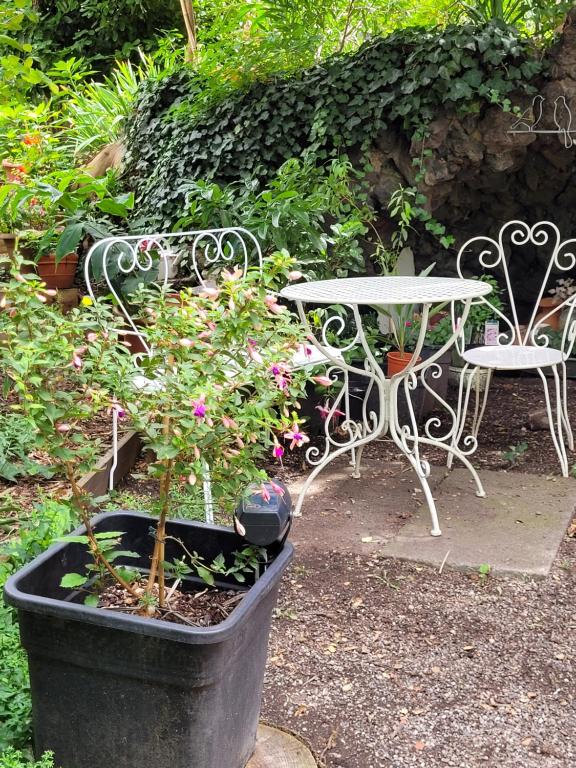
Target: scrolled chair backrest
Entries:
(124, 260)
(494, 254)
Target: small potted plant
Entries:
(108, 615)
(54, 213)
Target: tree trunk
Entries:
(189, 15)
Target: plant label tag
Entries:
(491, 333)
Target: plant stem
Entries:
(83, 510)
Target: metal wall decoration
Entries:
(531, 121)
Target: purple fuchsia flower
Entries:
(278, 450)
(298, 438)
(199, 407)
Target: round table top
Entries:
(386, 290)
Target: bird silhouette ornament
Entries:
(531, 120)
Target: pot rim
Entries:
(184, 633)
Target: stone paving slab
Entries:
(516, 529)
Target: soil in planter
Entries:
(201, 608)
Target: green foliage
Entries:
(99, 31)
(55, 212)
(537, 17)
(247, 561)
(482, 310)
(314, 213)
(36, 532)
(16, 437)
(404, 79)
(515, 453)
(12, 758)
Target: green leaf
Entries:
(71, 580)
(91, 601)
(68, 240)
(205, 575)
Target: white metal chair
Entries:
(154, 258)
(522, 347)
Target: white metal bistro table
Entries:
(351, 436)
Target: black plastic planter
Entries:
(114, 689)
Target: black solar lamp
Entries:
(262, 520)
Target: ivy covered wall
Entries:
(401, 82)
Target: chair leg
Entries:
(479, 412)
(565, 416)
(556, 420)
(114, 449)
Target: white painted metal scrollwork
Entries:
(532, 120)
(523, 346)
(385, 419)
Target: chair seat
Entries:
(513, 358)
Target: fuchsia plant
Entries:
(226, 397)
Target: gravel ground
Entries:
(380, 663)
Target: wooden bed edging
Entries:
(96, 482)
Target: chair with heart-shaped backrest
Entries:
(523, 343)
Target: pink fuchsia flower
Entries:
(186, 343)
(199, 407)
(324, 381)
(77, 357)
(325, 411)
(306, 350)
(298, 438)
(91, 337)
(253, 352)
(63, 427)
(145, 245)
(273, 305)
(192, 478)
(295, 274)
(265, 493)
(196, 452)
(236, 274)
(278, 450)
(277, 488)
(209, 292)
(229, 423)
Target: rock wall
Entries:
(480, 176)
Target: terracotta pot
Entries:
(59, 275)
(546, 305)
(397, 361)
(7, 244)
(14, 171)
